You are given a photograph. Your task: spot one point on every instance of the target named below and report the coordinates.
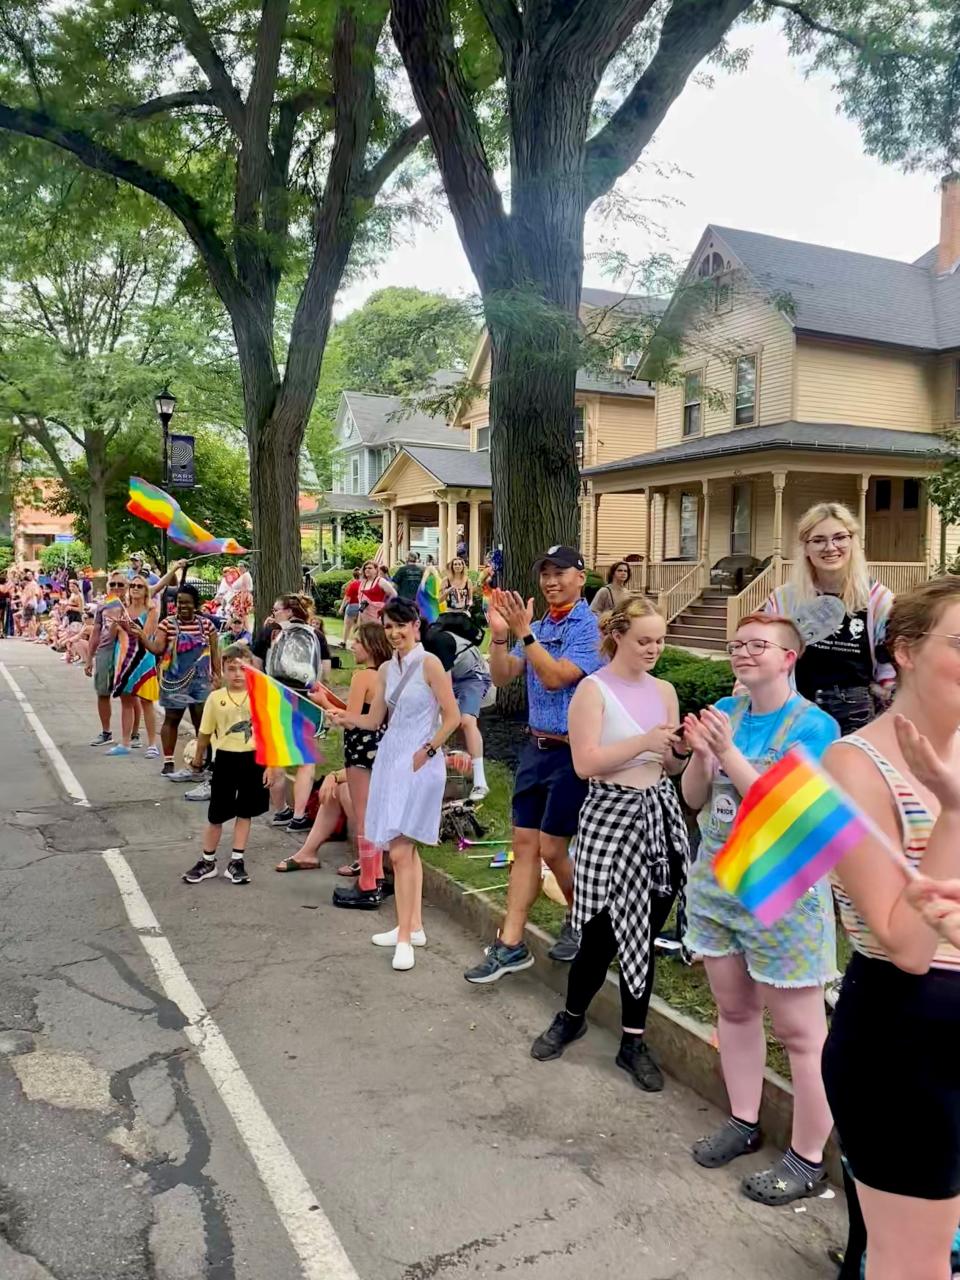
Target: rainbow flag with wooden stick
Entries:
(163, 512)
(793, 827)
(285, 723)
(428, 595)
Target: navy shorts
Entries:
(547, 794)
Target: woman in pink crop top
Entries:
(890, 1064)
(632, 846)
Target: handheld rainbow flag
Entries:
(163, 512)
(793, 827)
(285, 725)
(428, 595)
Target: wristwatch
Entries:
(431, 751)
(529, 639)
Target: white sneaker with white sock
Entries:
(403, 956)
(389, 939)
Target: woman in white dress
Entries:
(415, 696)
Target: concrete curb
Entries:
(683, 1046)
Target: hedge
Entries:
(698, 681)
(328, 590)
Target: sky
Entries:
(763, 150)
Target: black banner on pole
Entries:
(182, 474)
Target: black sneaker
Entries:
(102, 738)
(563, 1030)
(357, 898)
(282, 818)
(167, 769)
(498, 961)
(299, 824)
(236, 872)
(201, 870)
(567, 944)
(637, 1060)
(385, 887)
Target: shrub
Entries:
(328, 590)
(592, 585)
(355, 550)
(698, 681)
(6, 554)
(76, 555)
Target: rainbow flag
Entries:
(285, 725)
(163, 512)
(428, 595)
(794, 825)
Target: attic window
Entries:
(711, 264)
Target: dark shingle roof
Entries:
(626, 303)
(461, 468)
(852, 295)
(819, 437)
(383, 420)
(338, 504)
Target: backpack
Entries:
(461, 624)
(294, 655)
(469, 660)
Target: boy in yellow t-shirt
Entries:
(237, 789)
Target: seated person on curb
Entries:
(555, 654)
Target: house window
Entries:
(689, 521)
(579, 432)
(381, 458)
(692, 393)
(711, 264)
(630, 359)
(355, 473)
(483, 438)
(745, 396)
(882, 496)
(911, 495)
(741, 502)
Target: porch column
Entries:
(404, 534)
(779, 483)
(648, 549)
(473, 548)
(596, 528)
(442, 523)
(452, 529)
(389, 537)
(337, 542)
(864, 485)
(704, 548)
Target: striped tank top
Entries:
(916, 824)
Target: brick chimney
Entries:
(948, 251)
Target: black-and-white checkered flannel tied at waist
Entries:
(624, 841)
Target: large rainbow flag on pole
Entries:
(159, 509)
(428, 595)
(285, 724)
(794, 825)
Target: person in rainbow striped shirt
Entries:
(749, 965)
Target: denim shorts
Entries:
(470, 693)
(547, 794)
(800, 950)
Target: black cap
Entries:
(563, 557)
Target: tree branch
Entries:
(166, 102)
(403, 145)
(38, 429)
(101, 159)
(503, 19)
(273, 21)
(691, 30)
(852, 38)
(201, 46)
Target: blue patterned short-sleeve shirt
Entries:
(575, 637)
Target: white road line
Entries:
(63, 771)
(321, 1255)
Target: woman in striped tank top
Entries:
(891, 1064)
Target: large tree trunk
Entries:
(96, 459)
(274, 488)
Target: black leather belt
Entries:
(547, 742)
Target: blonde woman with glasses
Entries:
(847, 671)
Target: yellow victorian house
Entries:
(805, 374)
(614, 419)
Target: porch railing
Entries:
(898, 575)
(664, 576)
(673, 600)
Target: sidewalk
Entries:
(436, 1146)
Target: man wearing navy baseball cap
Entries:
(555, 654)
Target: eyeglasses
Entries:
(753, 647)
(116, 586)
(820, 543)
(945, 635)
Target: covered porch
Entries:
(329, 515)
(431, 504)
(748, 504)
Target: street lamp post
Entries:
(166, 403)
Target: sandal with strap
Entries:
(725, 1145)
(351, 869)
(782, 1184)
(291, 864)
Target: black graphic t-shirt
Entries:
(842, 660)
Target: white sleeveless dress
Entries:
(401, 802)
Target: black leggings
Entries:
(598, 950)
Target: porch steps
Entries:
(702, 625)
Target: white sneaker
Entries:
(403, 957)
(198, 793)
(478, 794)
(389, 939)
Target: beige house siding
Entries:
(945, 387)
(865, 386)
(620, 427)
(754, 326)
(623, 526)
(412, 482)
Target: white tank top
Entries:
(618, 724)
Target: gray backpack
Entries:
(469, 660)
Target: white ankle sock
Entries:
(479, 777)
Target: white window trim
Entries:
(700, 372)
(755, 357)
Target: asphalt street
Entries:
(318, 1115)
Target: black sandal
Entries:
(725, 1145)
(781, 1184)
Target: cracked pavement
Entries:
(438, 1149)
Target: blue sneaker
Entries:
(119, 750)
(499, 961)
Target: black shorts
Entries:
(547, 794)
(236, 790)
(892, 1075)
